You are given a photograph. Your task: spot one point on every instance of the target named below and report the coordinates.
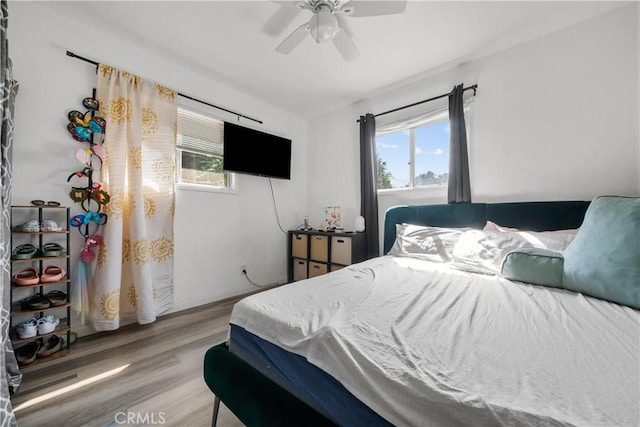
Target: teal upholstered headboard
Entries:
(534, 216)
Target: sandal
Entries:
(26, 276)
(50, 225)
(52, 249)
(52, 273)
(50, 203)
(51, 346)
(27, 353)
(31, 226)
(24, 251)
(57, 298)
(36, 302)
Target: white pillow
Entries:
(430, 243)
(467, 249)
(482, 251)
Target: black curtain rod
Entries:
(474, 88)
(73, 55)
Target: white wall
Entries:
(214, 232)
(554, 119)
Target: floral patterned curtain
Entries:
(133, 279)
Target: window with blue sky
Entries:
(414, 157)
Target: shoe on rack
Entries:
(52, 273)
(27, 329)
(50, 225)
(47, 324)
(26, 276)
(27, 353)
(52, 249)
(51, 346)
(31, 226)
(24, 251)
(57, 298)
(36, 302)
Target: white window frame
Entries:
(411, 124)
(429, 118)
(231, 177)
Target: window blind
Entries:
(199, 133)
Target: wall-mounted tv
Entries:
(253, 152)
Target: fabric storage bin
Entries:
(341, 250)
(299, 245)
(317, 269)
(299, 269)
(320, 248)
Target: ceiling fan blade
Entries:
(376, 8)
(345, 45)
(293, 39)
(343, 23)
(281, 19)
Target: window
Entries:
(414, 153)
(200, 143)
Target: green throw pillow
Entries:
(534, 265)
(604, 258)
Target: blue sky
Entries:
(432, 151)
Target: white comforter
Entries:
(423, 344)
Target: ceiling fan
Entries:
(327, 22)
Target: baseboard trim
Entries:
(85, 330)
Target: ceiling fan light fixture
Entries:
(323, 26)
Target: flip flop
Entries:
(24, 251)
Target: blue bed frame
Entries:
(257, 400)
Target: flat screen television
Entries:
(252, 152)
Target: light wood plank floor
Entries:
(137, 375)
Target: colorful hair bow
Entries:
(80, 219)
(87, 255)
(83, 126)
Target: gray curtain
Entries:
(369, 183)
(459, 185)
(10, 376)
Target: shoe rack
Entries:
(39, 261)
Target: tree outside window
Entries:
(414, 157)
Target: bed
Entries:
(433, 334)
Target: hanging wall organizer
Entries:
(88, 129)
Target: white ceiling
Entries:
(226, 40)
